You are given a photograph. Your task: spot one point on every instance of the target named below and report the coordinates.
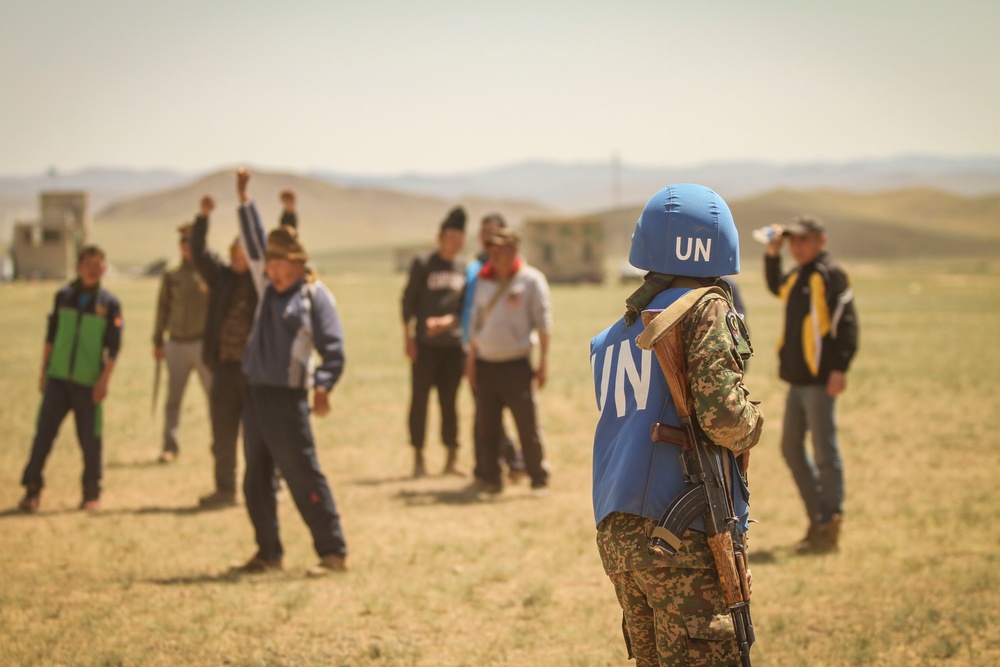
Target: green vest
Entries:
(78, 348)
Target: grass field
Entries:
(441, 579)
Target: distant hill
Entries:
(889, 225)
(587, 186)
(138, 227)
(331, 217)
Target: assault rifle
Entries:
(706, 471)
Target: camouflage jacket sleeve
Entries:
(724, 411)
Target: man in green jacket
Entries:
(177, 337)
(81, 345)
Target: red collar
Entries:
(489, 271)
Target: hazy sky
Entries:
(441, 86)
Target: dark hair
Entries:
(494, 217)
(89, 251)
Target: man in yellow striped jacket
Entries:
(819, 339)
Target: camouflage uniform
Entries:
(674, 613)
(715, 375)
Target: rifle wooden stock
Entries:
(668, 350)
(721, 545)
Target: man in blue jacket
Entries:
(295, 316)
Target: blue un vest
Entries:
(632, 473)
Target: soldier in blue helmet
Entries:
(673, 608)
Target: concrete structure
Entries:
(566, 250)
(47, 248)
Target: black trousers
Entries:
(500, 385)
(277, 433)
(440, 367)
(59, 398)
(226, 407)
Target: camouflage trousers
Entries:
(673, 609)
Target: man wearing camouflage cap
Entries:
(673, 607)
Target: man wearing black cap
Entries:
(819, 340)
(432, 334)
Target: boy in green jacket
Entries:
(81, 344)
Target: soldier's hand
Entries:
(206, 205)
(410, 349)
(321, 402)
(159, 352)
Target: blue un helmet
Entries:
(686, 230)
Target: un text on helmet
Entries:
(702, 249)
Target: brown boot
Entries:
(805, 545)
(828, 536)
(822, 538)
(451, 465)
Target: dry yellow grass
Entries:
(439, 579)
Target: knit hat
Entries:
(283, 243)
(455, 220)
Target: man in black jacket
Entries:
(231, 305)
(432, 333)
(819, 340)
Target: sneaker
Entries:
(329, 564)
(217, 500)
(256, 565)
(167, 456)
(32, 499)
(91, 505)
